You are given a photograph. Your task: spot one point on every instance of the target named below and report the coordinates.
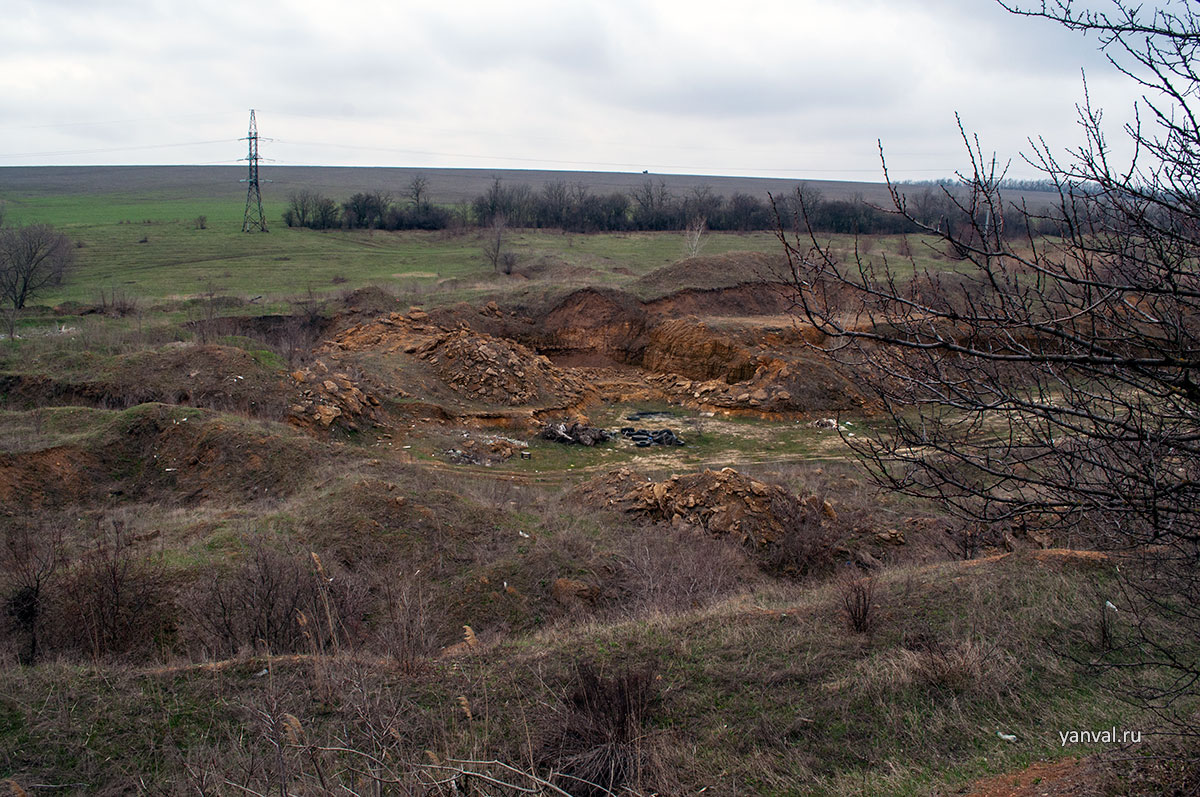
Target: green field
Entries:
(154, 251)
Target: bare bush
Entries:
(407, 635)
(680, 570)
(116, 302)
(115, 598)
(693, 236)
(600, 746)
(806, 547)
(858, 601)
(29, 559)
(508, 261)
(275, 600)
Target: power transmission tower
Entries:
(254, 219)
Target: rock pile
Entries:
(724, 503)
(497, 371)
(486, 451)
(764, 391)
(328, 398)
(475, 365)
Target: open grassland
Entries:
(136, 232)
(169, 258)
(156, 251)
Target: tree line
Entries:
(650, 206)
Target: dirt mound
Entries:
(474, 365)
(184, 454)
(48, 478)
(724, 503)
(371, 300)
(707, 272)
(497, 371)
(156, 451)
(216, 377)
(328, 398)
(375, 518)
(554, 268)
(606, 322)
(748, 299)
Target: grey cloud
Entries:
(697, 84)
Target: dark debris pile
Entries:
(575, 434)
(644, 438)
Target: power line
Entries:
(254, 218)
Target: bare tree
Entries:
(495, 238)
(310, 209)
(32, 258)
(301, 205)
(693, 236)
(1052, 384)
(418, 190)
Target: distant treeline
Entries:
(1007, 184)
(649, 206)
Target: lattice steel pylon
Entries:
(254, 219)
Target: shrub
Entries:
(600, 746)
(806, 547)
(115, 598)
(858, 597)
(274, 599)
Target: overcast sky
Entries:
(794, 88)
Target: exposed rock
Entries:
(568, 591)
(323, 403)
(724, 503)
(890, 537)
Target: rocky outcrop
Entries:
(690, 349)
(723, 503)
(326, 398)
(478, 367)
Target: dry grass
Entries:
(967, 665)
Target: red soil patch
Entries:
(1067, 778)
